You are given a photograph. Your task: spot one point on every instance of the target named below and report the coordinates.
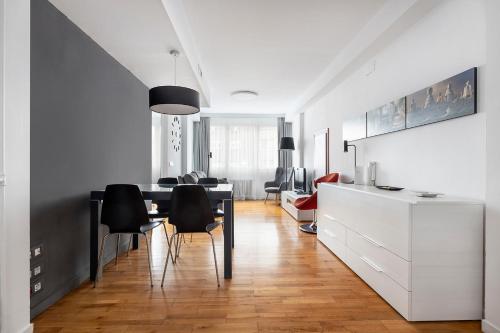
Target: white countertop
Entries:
(404, 195)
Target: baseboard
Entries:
(488, 327)
(28, 329)
(59, 293)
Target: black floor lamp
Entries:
(286, 144)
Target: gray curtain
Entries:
(284, 129)
(201, 145)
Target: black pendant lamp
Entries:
(174, 100)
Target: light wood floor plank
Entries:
(283, 281)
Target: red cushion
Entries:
(330, 178)
(307, 203)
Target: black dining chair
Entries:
(162, 206)
(124, 212)
(210, 181)
(190, 212)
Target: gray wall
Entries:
(90, 126)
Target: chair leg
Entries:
(176, 247)
(215, 259)
(179, 244)
(168, 241)
(100, 257)
(117, 248)
(267, 196)
(191, 240)
(168, 254)
(149, 259)
(130, 243)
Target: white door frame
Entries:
(14, 166)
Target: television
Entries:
(299, 180)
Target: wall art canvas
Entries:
(354, 127)
(388, 118)
(452, 98)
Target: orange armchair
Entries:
(308, 203)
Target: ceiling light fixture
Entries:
(244, 95)
(175, 100)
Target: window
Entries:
(244, 150)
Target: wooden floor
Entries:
(283, 281)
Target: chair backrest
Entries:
(167, 181)
(164, 205)
(329, 178)
(208, 180)
(190, 209)
(279, 175)
(123, 208)
(190, 178)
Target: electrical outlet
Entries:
(36, 287)
(36, 251)
(36, 271)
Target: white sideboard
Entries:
(287, 200)
(423, 256)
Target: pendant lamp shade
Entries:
(286, 143)
(174, 100)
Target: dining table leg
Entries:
(228, 238)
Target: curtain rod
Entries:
(241, 115)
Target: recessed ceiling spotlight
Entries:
(244, 95)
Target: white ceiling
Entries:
(277, 48)
(137, 33)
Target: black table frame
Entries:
(225, 195)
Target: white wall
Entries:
(15, 140)
(447, 157)
(492, 104)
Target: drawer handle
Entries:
(331, 234)
(330, 217)
(371, 264)
(371, 240)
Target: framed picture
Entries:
(388, 118)
(354, 127)
(451, 98)
(321, 153)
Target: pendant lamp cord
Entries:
(175, 69)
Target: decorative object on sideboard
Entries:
(175, 100)
(372, 173)
(387, 118)
(425, 194)
(389, 188)
(452, 98)
(286, 144)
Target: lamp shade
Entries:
(174, 100)
(286, 143)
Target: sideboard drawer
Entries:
(386, 287)
(383, 220)
(392, 265)
(333, 235)
(331, 228)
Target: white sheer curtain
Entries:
(244, 150)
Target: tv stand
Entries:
(287, 200)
